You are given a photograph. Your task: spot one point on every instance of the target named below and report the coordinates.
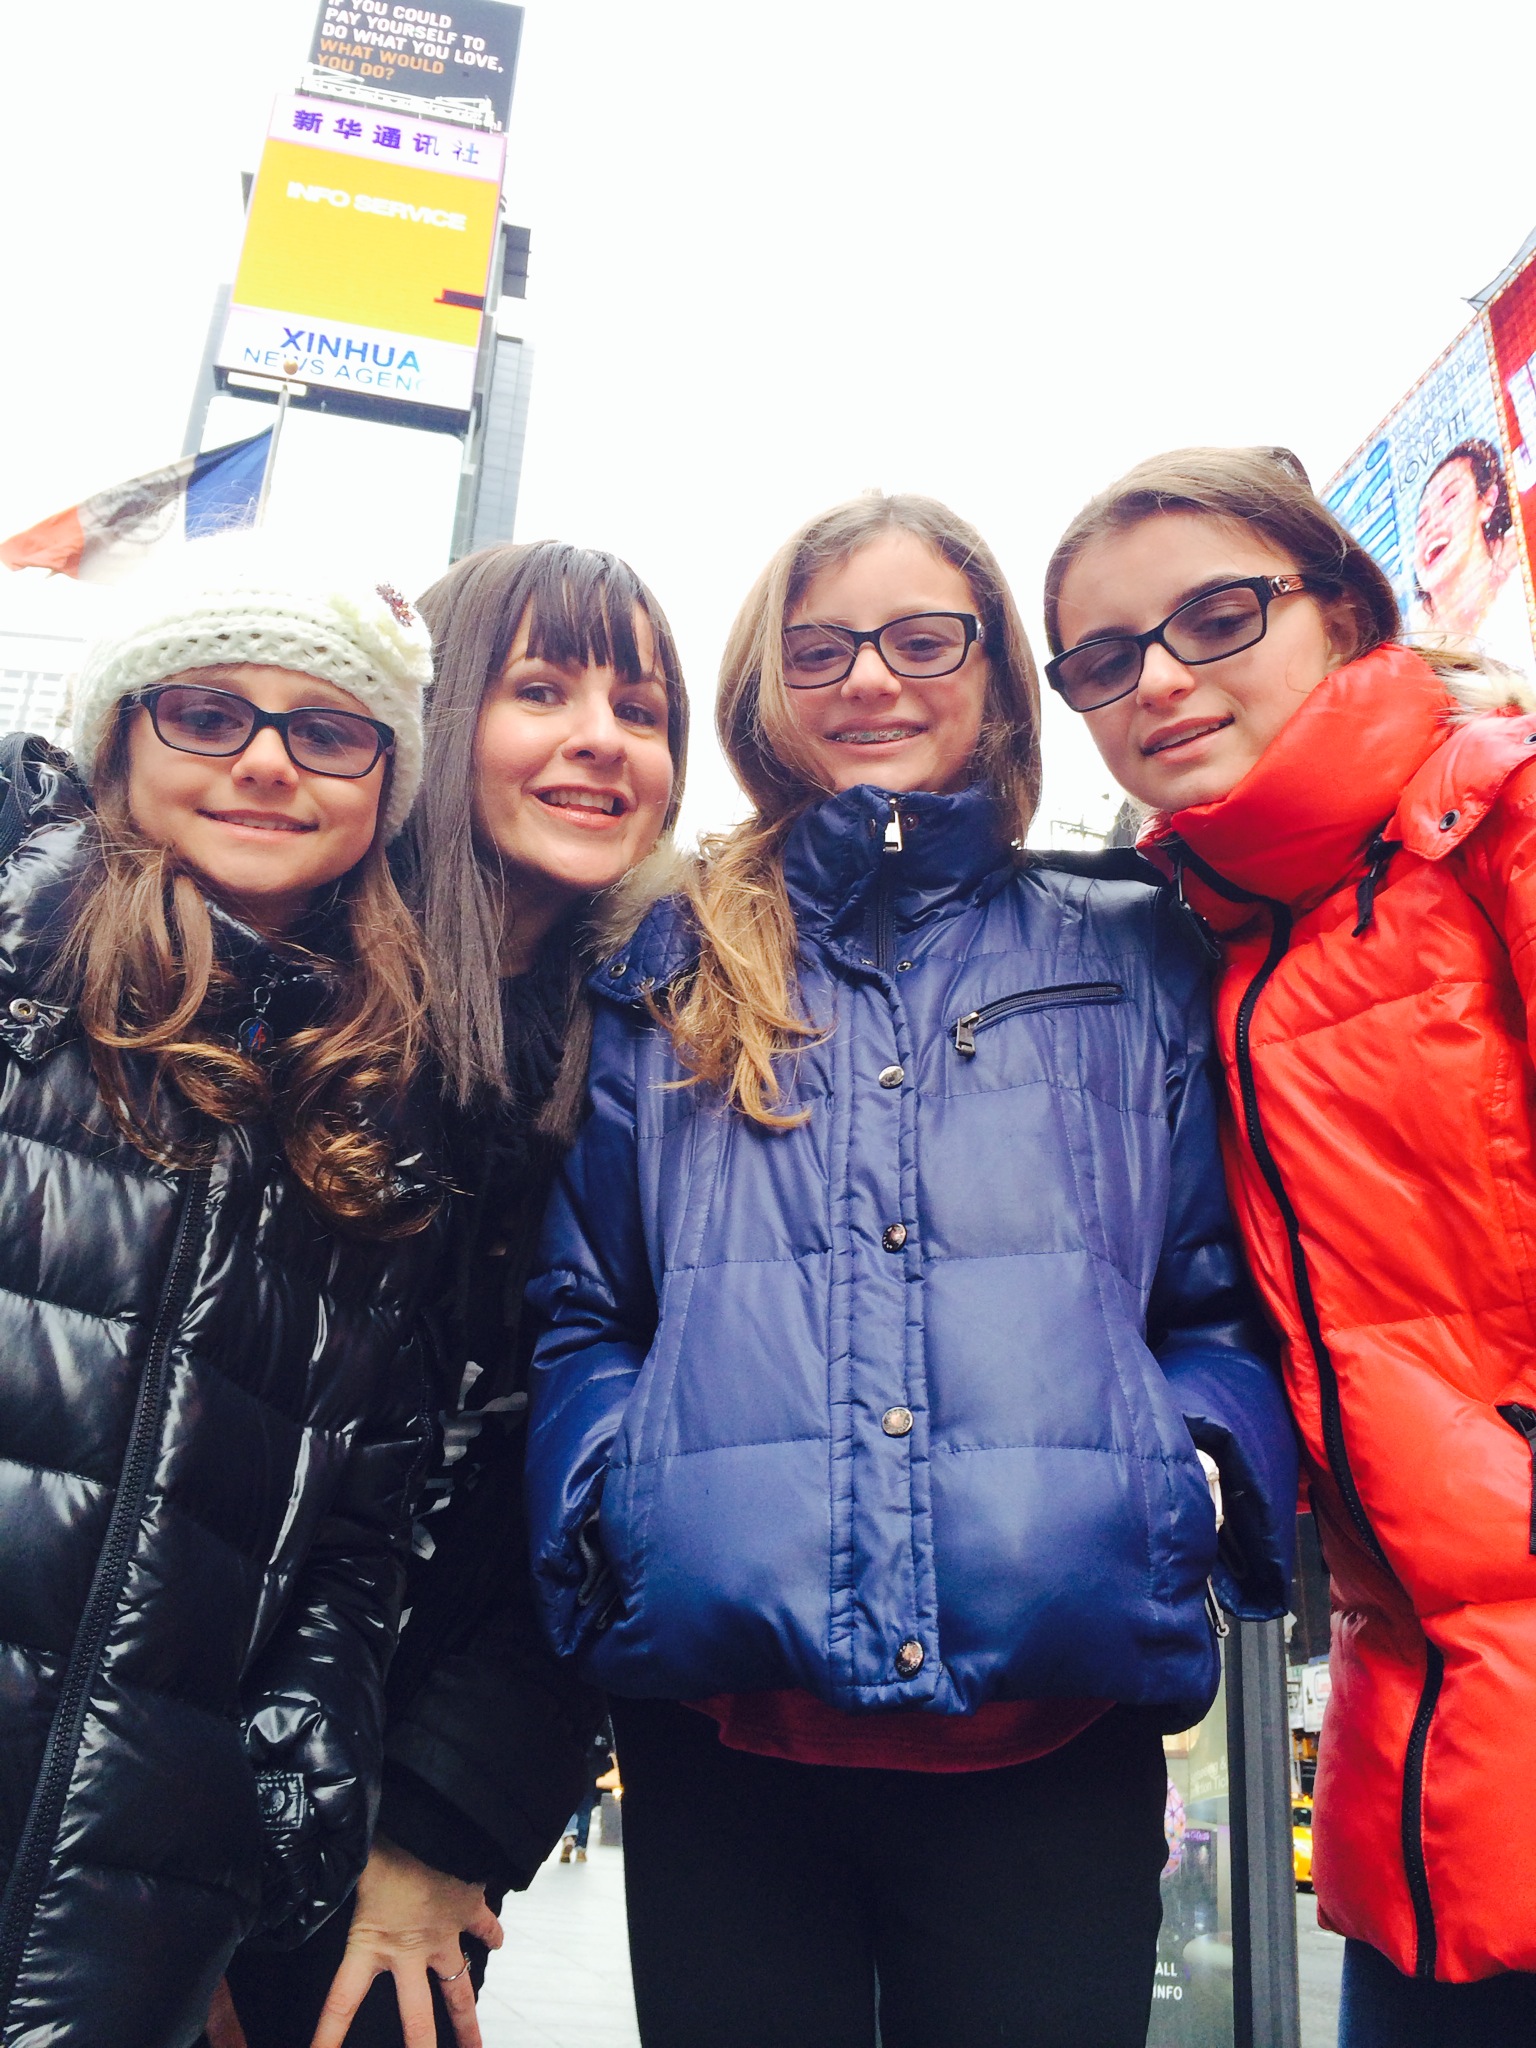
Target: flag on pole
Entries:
(107, 536)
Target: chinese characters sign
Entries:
(367, 253)
(1443, 494)
(465, 51)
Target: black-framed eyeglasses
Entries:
(1207, 628)
(917, 647)
(195, 718)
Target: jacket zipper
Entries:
(1066, 994)
(1413, 1813)
(885, 923)
(1523, 1419)
(32, 1853)
(1327, 1378)
(1414, 1865)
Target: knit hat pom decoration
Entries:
(232, 600)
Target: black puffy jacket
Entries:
(211, 1414)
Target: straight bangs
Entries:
(581, 613)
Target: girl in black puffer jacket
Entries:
(211, 1404)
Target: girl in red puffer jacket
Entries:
(1357, 822)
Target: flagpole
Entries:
(284, 390)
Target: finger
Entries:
(486, 1927)
(459, 1997)
(349, 1987)
(414, 1996)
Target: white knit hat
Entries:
(234, 599)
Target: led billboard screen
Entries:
(466, 50)
(367, 253)
(1511, 317)
(1430, 497)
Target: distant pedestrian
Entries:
(599, 1766)
(1357, 823)
(890, 1299)
(212, 1194)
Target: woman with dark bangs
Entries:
(556, 736)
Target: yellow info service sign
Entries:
(367, 253)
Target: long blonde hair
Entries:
(141, 963)
(737, 1014)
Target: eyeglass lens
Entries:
(928, 644)
(214, 722)
(1206, 629)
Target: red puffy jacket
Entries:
(1374, 880)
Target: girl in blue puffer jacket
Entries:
(891, 1311)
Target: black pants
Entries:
(1381, 2008)
(779, 1905)
(279, 1996)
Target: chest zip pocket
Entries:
(1523, 1419)
(1066, 995)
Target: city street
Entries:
(562, 1981)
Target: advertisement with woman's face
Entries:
(1428, 496)
(1512, 324)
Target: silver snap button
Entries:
(24, 1010)
(909, 1659)
(903, 966)
(892, 1077)
(894, 1236)
(1449, 820)
(617, 970)
(897, 1422)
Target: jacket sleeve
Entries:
(1203, 1320)
(594, 1302)
(314, 1701)
(488, 1730)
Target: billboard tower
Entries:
(375, 253)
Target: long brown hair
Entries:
(1263, 488)
(581, 605)
(142, 964)
(737, 1014)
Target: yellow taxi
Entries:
(1301, 1843)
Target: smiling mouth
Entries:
(1166, 743)
(877, 735)
(258, 821)
(604, 803)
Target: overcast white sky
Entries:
(782, 252)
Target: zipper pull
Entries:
(1378, 858)
(893, 839)
(965, 1035)
(1219, 1621)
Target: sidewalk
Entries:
(562, 1979)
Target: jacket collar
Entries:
(952, 850)
(1300, 822)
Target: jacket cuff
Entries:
(435, 1831)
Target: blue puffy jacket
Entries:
(900, 1406)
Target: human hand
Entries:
(223, 2027)
(1212, 1473)
(408, 1919)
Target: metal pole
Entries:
(289, 370)
(1266, 1992)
